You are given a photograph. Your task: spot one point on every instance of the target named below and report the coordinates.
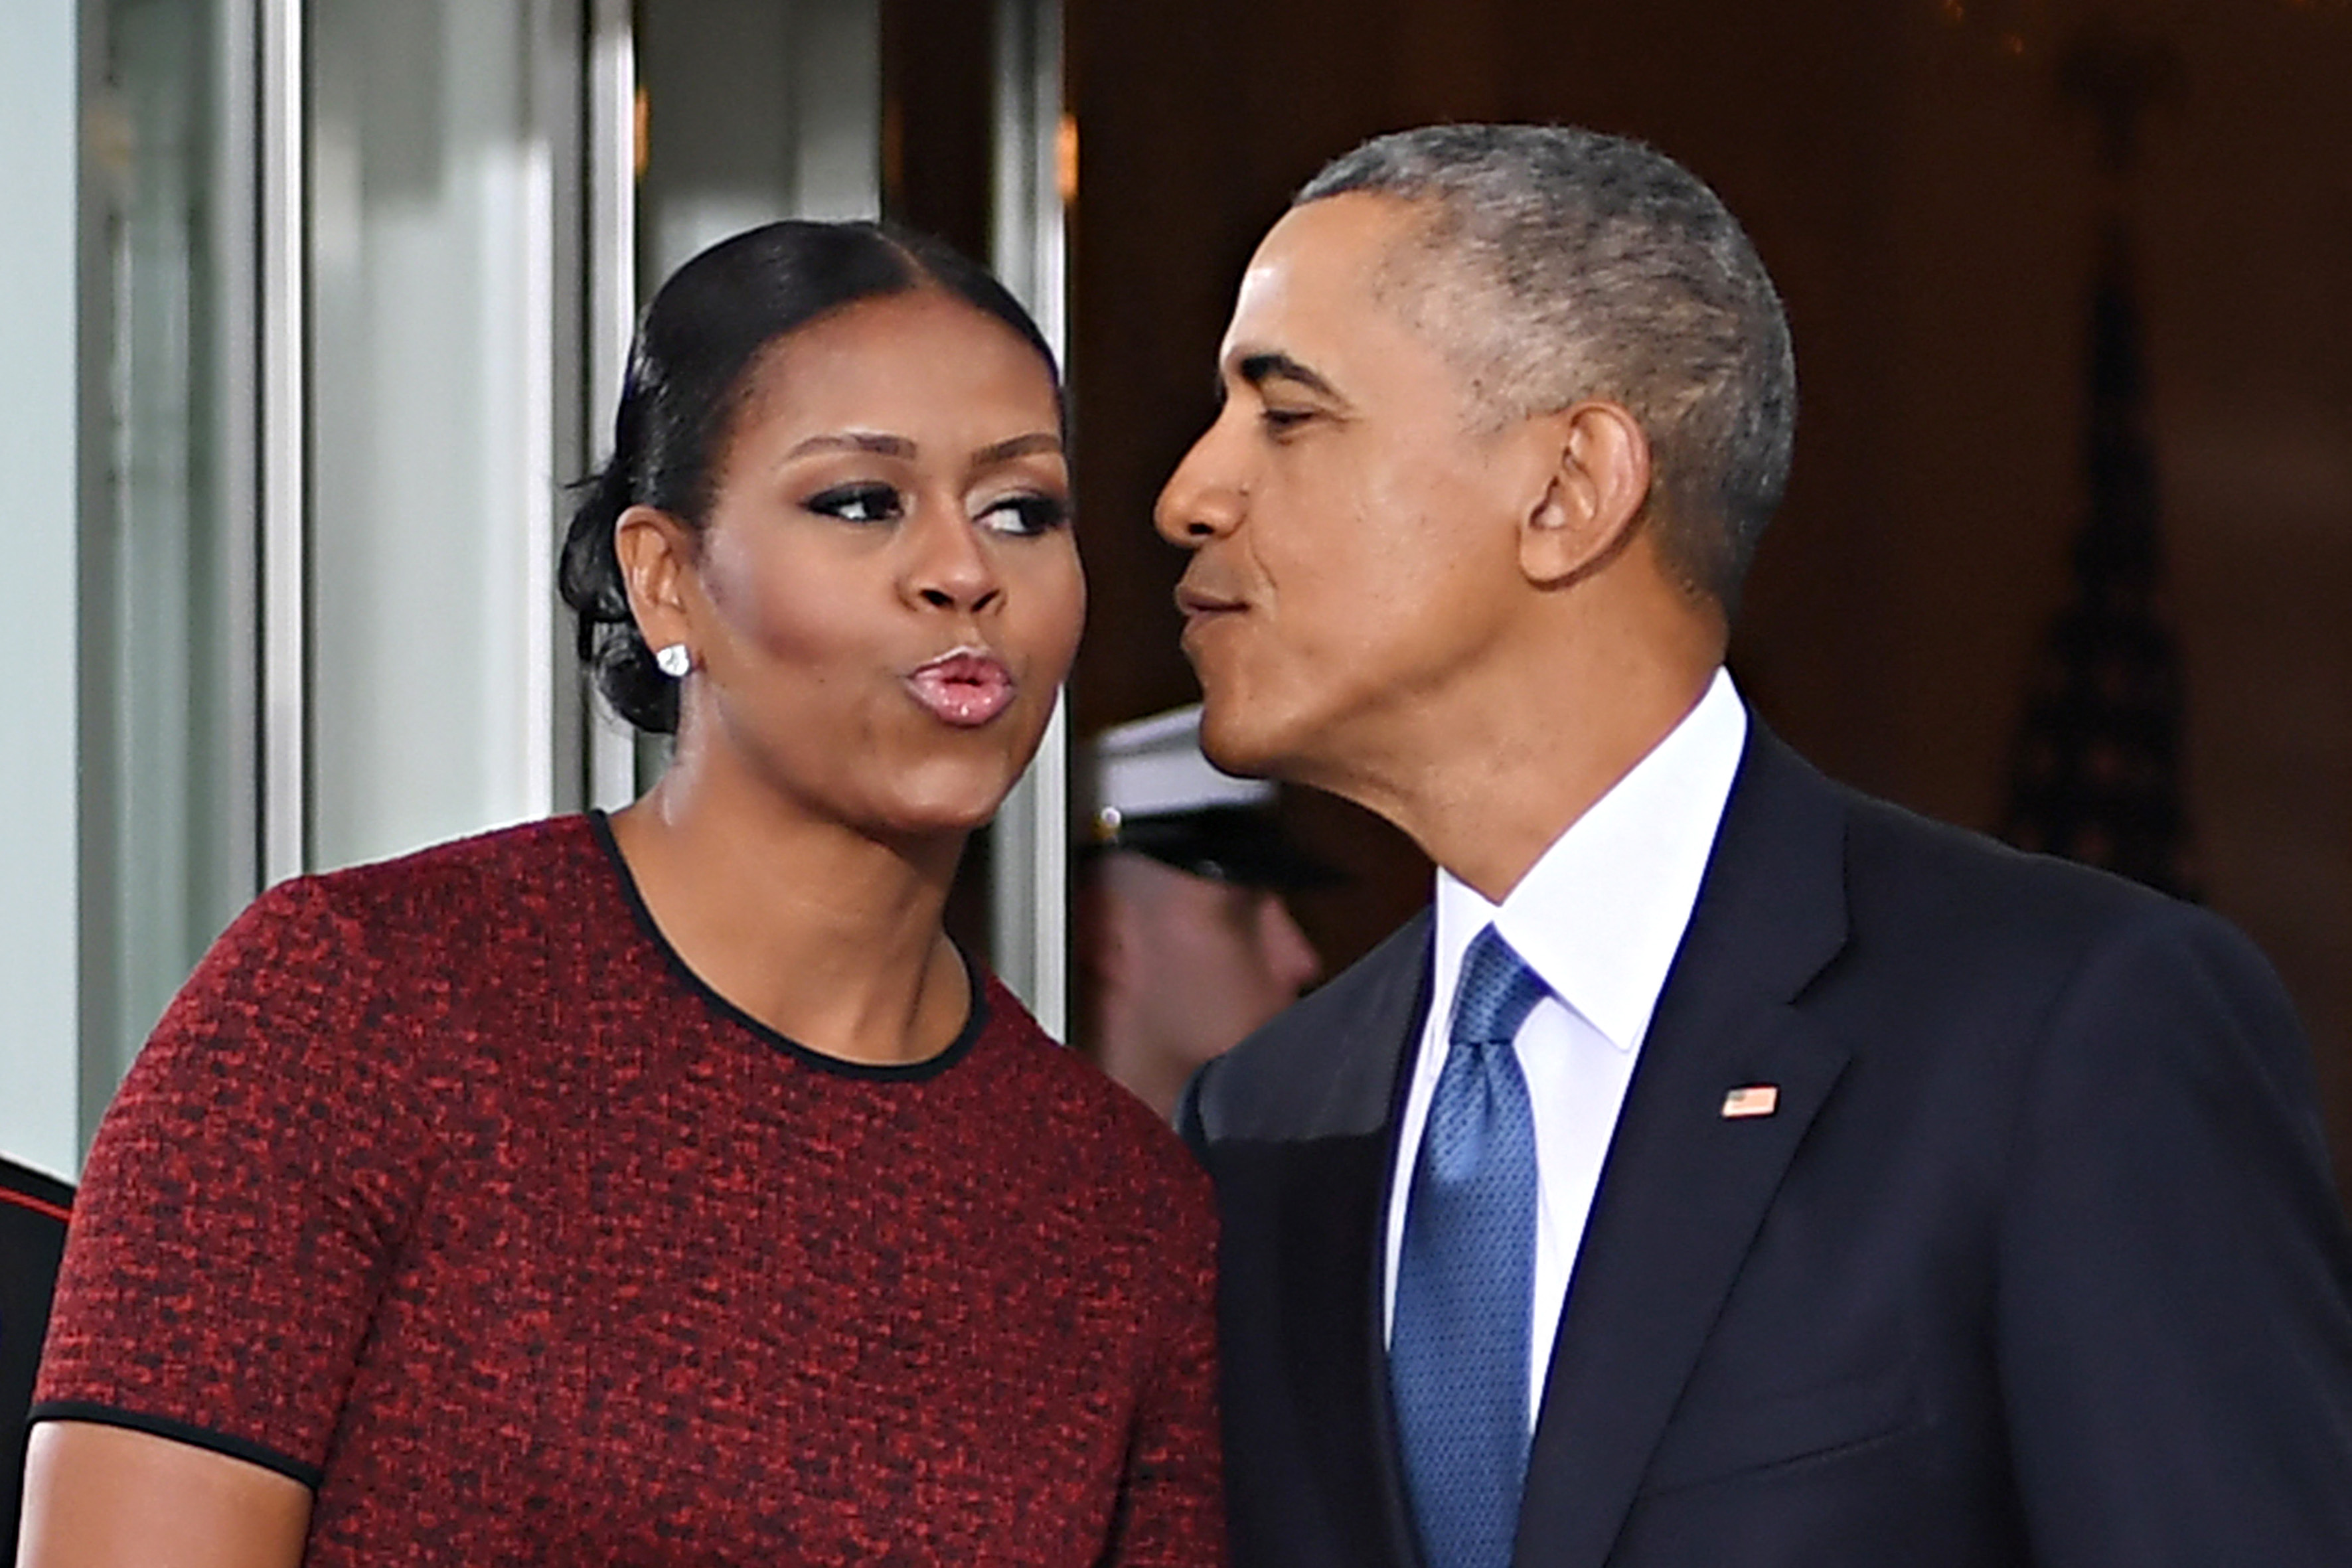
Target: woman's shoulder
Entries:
(349, 943)
(461, 895)
(1091, 1118)
(502, 865)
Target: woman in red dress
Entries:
(670, 1188)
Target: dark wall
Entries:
(1930, 211)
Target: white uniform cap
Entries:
(1153, 767)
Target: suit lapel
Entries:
(1684, 1188)
(1333, 1247)
(1405, 1029)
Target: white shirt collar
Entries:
(1600, 913)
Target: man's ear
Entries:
(656, 553)
(1599, 486)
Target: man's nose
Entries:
(1290, 957)
(1203, 498)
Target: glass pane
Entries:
(755, 109)
(431, 392)
(171, 792)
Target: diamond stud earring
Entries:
(674, 661)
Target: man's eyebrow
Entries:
(1257, 369)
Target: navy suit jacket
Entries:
(2037, 1261)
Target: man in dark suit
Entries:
(1730, 1171)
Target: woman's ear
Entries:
(656, 553)
(1599, 486)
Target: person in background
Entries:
(1729, 1170)
(32, 1213)
(1185, 942)
(668, 1187)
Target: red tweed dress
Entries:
(444, 1188)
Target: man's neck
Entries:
(1487, 787)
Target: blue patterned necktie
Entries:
(1465, 1276)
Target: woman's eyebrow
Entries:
(1018, 447)
(855, 441)
(900, 447)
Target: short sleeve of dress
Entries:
(244, 1199)
(1171, 1502)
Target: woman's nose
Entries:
(949, 566)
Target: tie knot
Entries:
(1496, 992)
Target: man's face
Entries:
(1353, 533)
(1202, 963)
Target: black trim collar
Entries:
(959, 1047)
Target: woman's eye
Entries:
(1280, 420)
(856, 503)
(1026, 515)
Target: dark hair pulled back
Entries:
(689, 374)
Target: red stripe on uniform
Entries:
(35, 1204)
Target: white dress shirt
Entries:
(1598, 918)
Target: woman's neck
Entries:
(828, 935)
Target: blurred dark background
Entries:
(1933, 204)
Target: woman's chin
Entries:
(937, 823)
(934, 808)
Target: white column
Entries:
(609, 276)
(1029, 868)
(40, 896)
(283, 358)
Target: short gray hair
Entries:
(1561, 264)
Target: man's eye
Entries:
(1026, 515)
(856, 503)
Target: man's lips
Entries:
(965, 687)
(1200, 605)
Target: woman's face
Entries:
(887, 594)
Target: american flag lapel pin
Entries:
(1754, 1100)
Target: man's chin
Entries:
(1237, 738)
